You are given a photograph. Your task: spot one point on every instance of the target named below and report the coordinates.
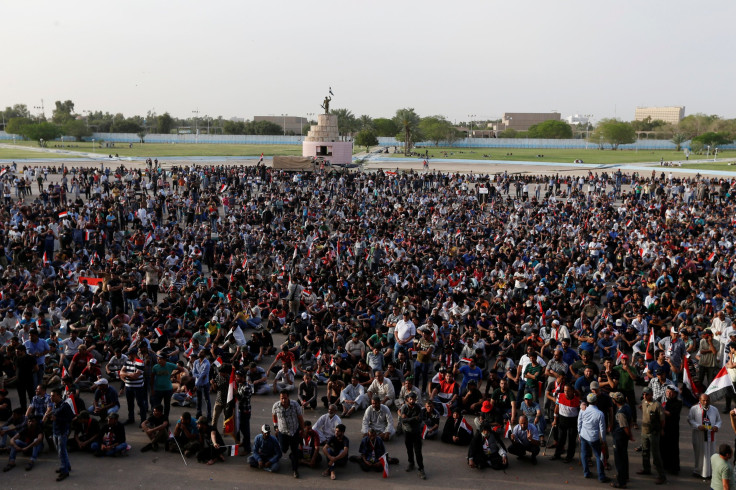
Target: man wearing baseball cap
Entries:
(106, 400)
(266, 451)
(592, 432)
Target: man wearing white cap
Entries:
(674, 352)
(106, 399)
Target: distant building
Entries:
(671, 114)
(577, 120)
(522, 121)
(291, 124)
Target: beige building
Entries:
(291, 124)
(522, 121)
(671, 114)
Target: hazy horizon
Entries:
(480, 58)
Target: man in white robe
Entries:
(705, 421)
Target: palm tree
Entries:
(346, 122)
(408, 122)
(678, 139)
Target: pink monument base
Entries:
(337, 152)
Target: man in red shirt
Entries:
(566, 421)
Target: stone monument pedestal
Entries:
(323, 141)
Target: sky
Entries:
(456, 59)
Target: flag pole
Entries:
(179, 448)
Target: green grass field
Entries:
(593, 156)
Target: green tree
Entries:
(75, 128)
(385, 128)
(122, 125)
(696, 124)
(263, 128)
(164, 123)
(714, 139)
(615, 132)
(63, 111)
(678, 139)
(17, 125)
(233, 127)
(18, 110)
(551, 130)
(346, 122)
(42, 132)
(367, 138)
(364, 122)
(508, 133)
(141, 135)
(436, 129)
(408, 124)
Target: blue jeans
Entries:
(405, 348)
(136, 396)
(203, 393)
(22, 445)
(119, 448)
(254, 463)
(421, 375)
(60, 443)
(595, 447)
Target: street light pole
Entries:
(284, 121)
(196, 113)
(470, 117)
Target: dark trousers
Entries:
(413, 444)
(630, 396)
(25, 389)
(620, 453)
(650, 446)
(518, 449)
(669, 446)
(164, 397)
(203, 395)
(567, 430)
(245, 430)
(133, 396)
(290, 442)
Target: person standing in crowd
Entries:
(61, 413)
(289, 423)
(133, 377)
(652, 428)
(623, 422)
(566, 414)
(592, 431)
(410, 417)
(201, 374)
(705, 422)
(670, 443)
(723, 473)
(245, 392)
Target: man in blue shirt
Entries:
(592, 432)
(469, 371)
(37, 348)
(266, 451)
(201, 374)
(61, 413)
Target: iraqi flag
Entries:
(245, 262)
(158, 331)
(541, 311)
(384, 460)
(149, 239)
(94, 283)
(465, 425)
(3, 171)
(721, 386)
(223, 188)
(88, 235)
(45, 259)
(234, 449)
(218, 362)
(72, 402)
(445, 409)
(63, 214)
(425, 430)
(231, 424)
(259, 161)
(687, 379)
(649, 353)
(466, 359)
(711, 257)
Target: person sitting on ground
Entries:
(378, 416)
(382, 388)
(370, 451)
(86, 433)
(353, 397)
(156, 428)
(309, 447)
(212, 446)
(266, 451)
(308, 393)
(487, 450)
(284, 379)
(106, 399)
(405, 390)
(336, 451)
(28, 440)
(431, 419)
(455, 432)
(185, 432)
(325, 425)
(112, 440)
(525, 438)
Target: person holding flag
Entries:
(370, 448)
(410, 417)
(705, 422)
(487, 450)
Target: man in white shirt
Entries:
(383, 388)
(404, 334)
(325, 425)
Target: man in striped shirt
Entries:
(135, 392)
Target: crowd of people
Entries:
(431, 305)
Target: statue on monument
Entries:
(326, 104)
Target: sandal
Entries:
(8, 467)
(333, 476)
(211, 462)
